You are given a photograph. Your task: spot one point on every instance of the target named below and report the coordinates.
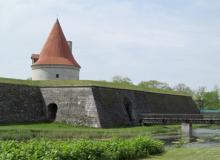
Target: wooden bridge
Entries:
(180, 118)
(186, 121)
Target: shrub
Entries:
(116, 149)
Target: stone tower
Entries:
(55, 61)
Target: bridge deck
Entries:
(180, 118)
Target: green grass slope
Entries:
(65, 131)
(54, 83)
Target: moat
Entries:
(202, 137)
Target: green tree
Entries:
(211, 99)
(207, 99)
(154, 84)
(122, 80)
(198, 96)
(184, 89)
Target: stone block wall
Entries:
(76, 105)
(90, 106)
(112, 105)
(20, 103)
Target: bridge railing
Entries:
(180, 116)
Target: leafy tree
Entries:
(207, 99)
(122, 80)
(154, 84)
(182, 88)
(199, 95)
(211, 99)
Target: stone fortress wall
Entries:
(89, 105)
(20, 103)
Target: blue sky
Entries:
(175, 41)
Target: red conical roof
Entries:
(56, 49)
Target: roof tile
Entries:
(56, 49)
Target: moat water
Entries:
(202, 137)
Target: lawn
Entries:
(209, 153)
(65, 131)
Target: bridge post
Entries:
(186, 129)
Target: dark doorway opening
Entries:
(52, 112)
(128, 108)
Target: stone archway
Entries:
(128, 109)
(52, 111)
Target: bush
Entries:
(116, 149)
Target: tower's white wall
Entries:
(49, 72)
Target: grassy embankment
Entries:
(207, 153)
(64, 131)
(51, 83)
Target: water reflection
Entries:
(202, 137)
